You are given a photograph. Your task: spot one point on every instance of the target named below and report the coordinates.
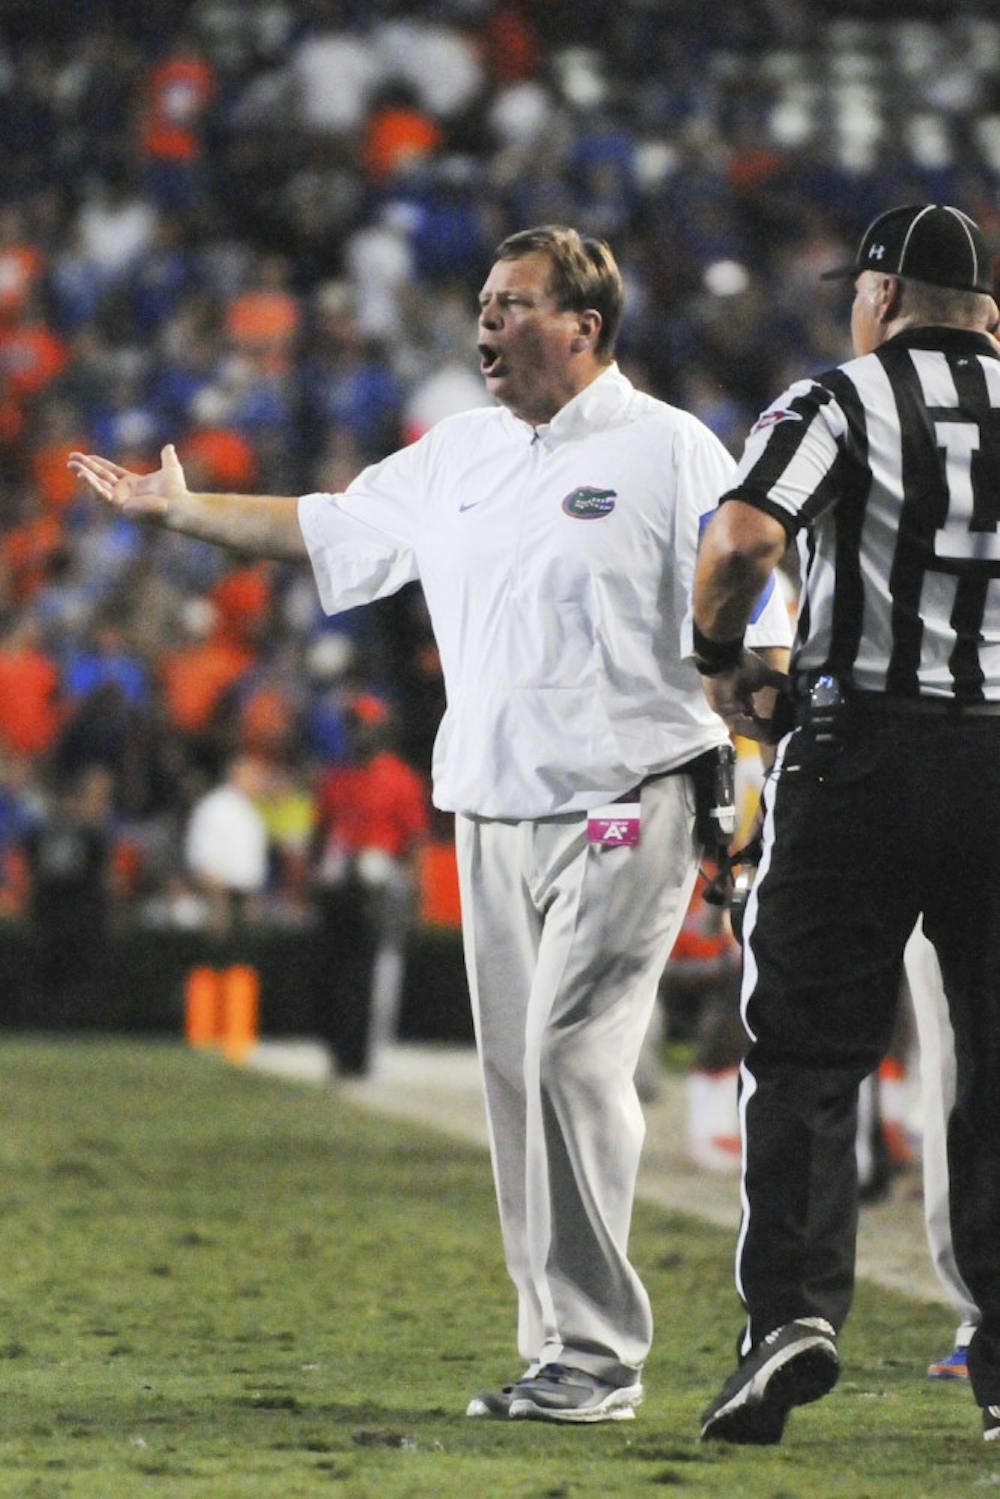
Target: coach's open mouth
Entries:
(490, 362)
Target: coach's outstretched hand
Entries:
(745, 696)
(142, 496)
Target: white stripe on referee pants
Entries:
(748, 1083)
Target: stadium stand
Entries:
(257, 227)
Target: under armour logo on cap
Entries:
(925, 242)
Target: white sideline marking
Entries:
(302, 1061)
(438, 1086)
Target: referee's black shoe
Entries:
(793, 1365)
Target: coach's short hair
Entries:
(584, 274)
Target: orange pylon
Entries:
(202, 1007)
(240, 1011)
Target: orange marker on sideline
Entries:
(202, 1007)
(240, 1009)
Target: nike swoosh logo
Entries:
(471, 506)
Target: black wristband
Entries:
(712, 657)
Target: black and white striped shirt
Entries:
(887, 470)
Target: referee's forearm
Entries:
(726, 589)
(740, 549)
(258, 524)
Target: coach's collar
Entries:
(600, 404)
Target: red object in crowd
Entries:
(223, 459)
(511, 46)
(755, 167)
(264, 321)
(394, 137)
(369, 709)
(15, 882)
(196, 676)
(382, 804)
(242, 599)
(437, 883)
(55, 483)
(267, 723)
(28, 552)
(126, 868)
(31, 356)
(21, 267)
(702, 938)
(29, 704)
(177, 95)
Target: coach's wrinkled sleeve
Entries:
(362, 543)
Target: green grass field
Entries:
(219, 1284)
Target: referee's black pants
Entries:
(904, 820)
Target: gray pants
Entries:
(565, 942)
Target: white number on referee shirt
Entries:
(955, 541)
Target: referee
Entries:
(884, 803)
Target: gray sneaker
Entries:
(559, 1393)
(496, 1403)
(991, 1423)
(793, 1365)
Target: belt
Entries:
(932, 707)
(632, 795)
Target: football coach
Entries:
(554, 535)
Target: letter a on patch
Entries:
(614, 825)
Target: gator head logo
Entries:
(588, 503)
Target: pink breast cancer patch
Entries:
(616, 825)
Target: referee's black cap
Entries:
(926, 242)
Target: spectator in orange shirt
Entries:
(268, 724)
(219, 457)
(31, 551)
(197, 675)
(398, 131)
(30, 711)
(21, 264)
(264, 319)
(57, 434)
(31, 356)
(242, 599)
(179, 91)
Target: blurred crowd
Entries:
(256, 228)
